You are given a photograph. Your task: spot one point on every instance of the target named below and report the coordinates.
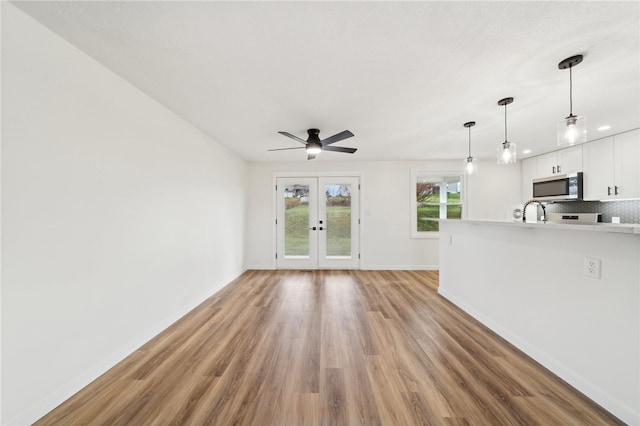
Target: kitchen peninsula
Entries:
(528, 283)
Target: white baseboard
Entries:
(259, 267)
(63, 393)
(624, 413)
(368, 267)
(400, 267)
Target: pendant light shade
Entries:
(572, 129)
(470, 163)
(506, 150)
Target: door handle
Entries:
(558, 168)
(321, 228)
(615, 190)
(608, 190)
(313, 228)
(553, 170)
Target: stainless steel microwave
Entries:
(558, 187)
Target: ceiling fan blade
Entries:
(293, 137)
(310, 156)
(283, 149)
(339, 149)
(337, 137)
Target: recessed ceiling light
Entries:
(526, 151)
(603, 128)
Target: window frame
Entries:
(431, 174)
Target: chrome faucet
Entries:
(524, 211)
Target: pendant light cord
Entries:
(570, 92)
(505, 122)
(469, 141)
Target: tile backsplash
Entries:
(627, 211)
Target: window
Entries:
(434, 196)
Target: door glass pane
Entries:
(338, 226)
(296, 220)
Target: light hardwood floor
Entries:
(328, 347)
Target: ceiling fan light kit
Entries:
(506, 150)
(470, 163)
(314, 145)
(572, 129)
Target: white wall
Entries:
(385, 207)
(527, 284)
(117, 217)
(495, 191)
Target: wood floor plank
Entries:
(305, 410)
(420, 410)
(388, 399)
(334, 400)
(361, 405)
(328, 347)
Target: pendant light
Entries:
(572, 129)
(506, 150)
(470, 164)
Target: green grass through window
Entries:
(338, 229)
(429, 211)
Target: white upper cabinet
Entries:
(568, 160)
(529, 173)
(598, 169)
(546, 164)
(611, 167)
(626, 149)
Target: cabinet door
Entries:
(627, 162)
(528, 175)
(570, 160)
(546, 164)
(598, 169)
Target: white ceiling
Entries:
(402, 76)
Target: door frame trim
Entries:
(274, 205)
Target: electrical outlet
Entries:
(592, 267)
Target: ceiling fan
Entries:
(314, 145)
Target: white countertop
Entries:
(621, 228)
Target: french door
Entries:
(317, 223)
